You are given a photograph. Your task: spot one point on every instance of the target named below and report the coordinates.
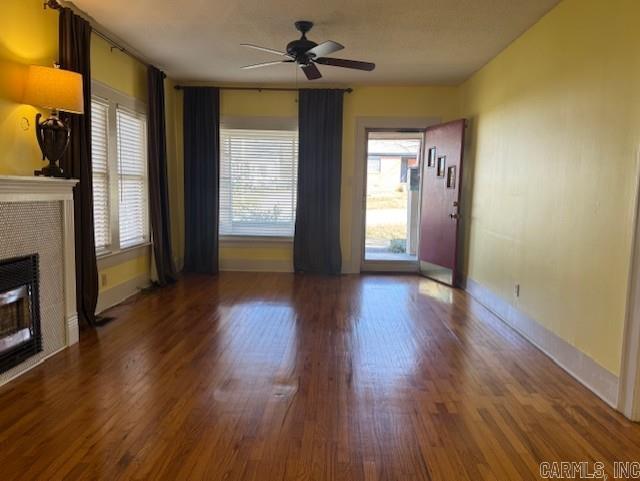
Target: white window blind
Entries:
(258, 178)
(132, 176)
(100, 170)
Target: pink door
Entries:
(440, 213)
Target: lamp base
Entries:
(53, 138)
(51, 170)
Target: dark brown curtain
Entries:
(75, 54)
(316, 246)
(201, 178)
(158, 183)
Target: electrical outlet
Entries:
(103, 280)
(516, 290)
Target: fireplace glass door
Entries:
(20, 335)
(15, 318)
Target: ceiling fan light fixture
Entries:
(306, 53)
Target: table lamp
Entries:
(58, 90)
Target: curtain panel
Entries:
(158, 182)
(75, 54)
(201, 178)
(317, 231)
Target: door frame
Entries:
(628, 402)
(363, 124)
(384, 265)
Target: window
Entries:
(258, 181)
(374, 164)
(99, 161)
(119, 170)
(132, 177)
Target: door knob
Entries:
(455, 216)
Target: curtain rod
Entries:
(260, 89)
(54, 5)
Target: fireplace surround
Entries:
(36, 222)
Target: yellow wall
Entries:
(175, 170)
(232, 104)
(551, 165)
(555, 127)
(369, 101)
(117, 69)
(126, 270)
(364, 101)
(28, 35)
(257, 104)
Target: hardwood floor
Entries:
(277, 377)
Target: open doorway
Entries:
(392, 197)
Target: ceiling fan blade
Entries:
(265, 64)
(340, 62)
(325, 48)
(311, 71)
(264, 49)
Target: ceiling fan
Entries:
(307, 54)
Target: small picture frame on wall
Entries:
(451, 177)
(431, 157)
(441, 163)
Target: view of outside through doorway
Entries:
(393, 161)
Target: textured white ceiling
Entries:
(411, 41)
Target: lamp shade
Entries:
(54, 88)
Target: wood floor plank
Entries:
(261, 377)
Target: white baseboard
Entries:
(73, 332)
(117, 294)
(258, 265)
(592, 375)
(35, 364)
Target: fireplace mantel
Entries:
(27, 192)
(15, 188)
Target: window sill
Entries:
(110, 258)
(248, 239)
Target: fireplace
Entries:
(20, 335)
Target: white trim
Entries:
(121, 292)
(69, 274)
(108, 93)
(360, 171)
(32, 366)
(16, 188)
(72, 329)
(585, 370)
(629, 388)
(231, 159)
(237, 240)
(257, 265)
(117, 100)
